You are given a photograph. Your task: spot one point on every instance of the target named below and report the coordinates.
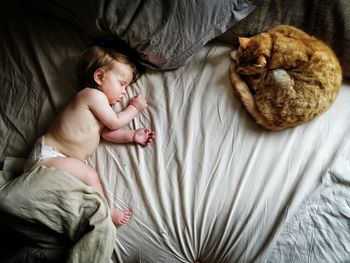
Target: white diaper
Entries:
(40, 152)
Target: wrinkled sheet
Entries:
(38, 55)
(214, 186)
(319, 230)
(56, 218)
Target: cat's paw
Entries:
(234, 56)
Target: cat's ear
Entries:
(260, 61)
(243, 42)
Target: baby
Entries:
(76, 132)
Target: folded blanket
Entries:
(55, 217)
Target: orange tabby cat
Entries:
(285, 77)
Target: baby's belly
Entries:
(79, 148)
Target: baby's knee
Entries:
(91, 177)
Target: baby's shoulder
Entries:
(90, 94)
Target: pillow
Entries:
(165, 33)
(326, 20)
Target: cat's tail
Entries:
(245, 95)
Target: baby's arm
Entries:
(103, 111)
(137, 103)
(143, 136)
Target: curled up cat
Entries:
(285, 77)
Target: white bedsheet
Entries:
(214, 186)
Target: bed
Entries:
(214, 186)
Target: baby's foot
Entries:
(144, 136)
(120, 218)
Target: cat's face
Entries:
(253, 55)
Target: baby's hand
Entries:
(138, 102)
(144, 136)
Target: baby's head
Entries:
(102, 57)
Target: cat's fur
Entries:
(285, 77)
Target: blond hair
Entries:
(100, 56)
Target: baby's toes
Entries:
(128, 214)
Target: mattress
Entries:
(214, 186)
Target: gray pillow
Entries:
(324, 19)
(164, 32)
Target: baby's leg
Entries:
(88, 176)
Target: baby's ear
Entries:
(243, 42)
(99, 75)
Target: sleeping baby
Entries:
(77, 131)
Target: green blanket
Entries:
(51, 216)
